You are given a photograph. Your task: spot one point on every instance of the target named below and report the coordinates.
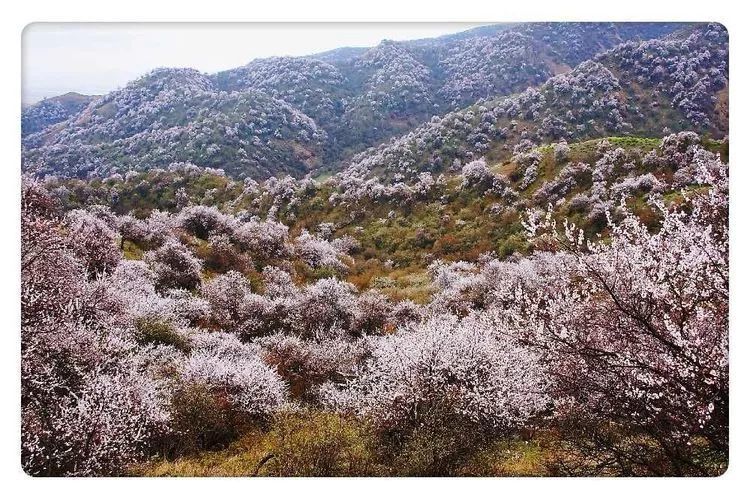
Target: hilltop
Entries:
(37, 117)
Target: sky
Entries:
(96, 58)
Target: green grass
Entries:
(157, 332)
(311, 443)
(131, 251)
(510, 457)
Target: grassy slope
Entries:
(318, 443)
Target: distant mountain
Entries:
(173, 115)
(38, 116)
(339, 55)
(287, 115)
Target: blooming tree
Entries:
(445, 368)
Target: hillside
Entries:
(178, 115)
(293, 115)
(639, 88)
(391, 88)
(39, 116)
(401, 228)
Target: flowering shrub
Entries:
(318, 252)
(93, 242)
(106, 425)
(264, 240)
(289, 115)
(202, 221)
(234, 370)
(308, 84)
(328, 307)
(688, 70)
(652, 345)
(306, 364)
(174, 266)
(447, 368)
(88, 406)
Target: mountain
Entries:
(296, 115)
(389, 89)
(637, 88)
(39, 116)
(172, 115)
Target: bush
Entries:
(223, 255)
(201, 221)
(93, 242)
(235, 371)
(446, 373)
(306, 364)
(320, 444)
(158, 332)
(174, 266)
(201, 421)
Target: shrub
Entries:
(371, 313)
(327, 307)
(313, 443)
(306, 364)
(202, 221)
(88, 406)
(223, 255)
(234, 371)
(158, 332)
(444, 370)
(93, 242)
(174, 266)
(201, 420)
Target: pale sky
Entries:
(95, 58)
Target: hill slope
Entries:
(172, 115)
(37, 117)
(639, 88)
(293, 115)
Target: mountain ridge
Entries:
(335, 109)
